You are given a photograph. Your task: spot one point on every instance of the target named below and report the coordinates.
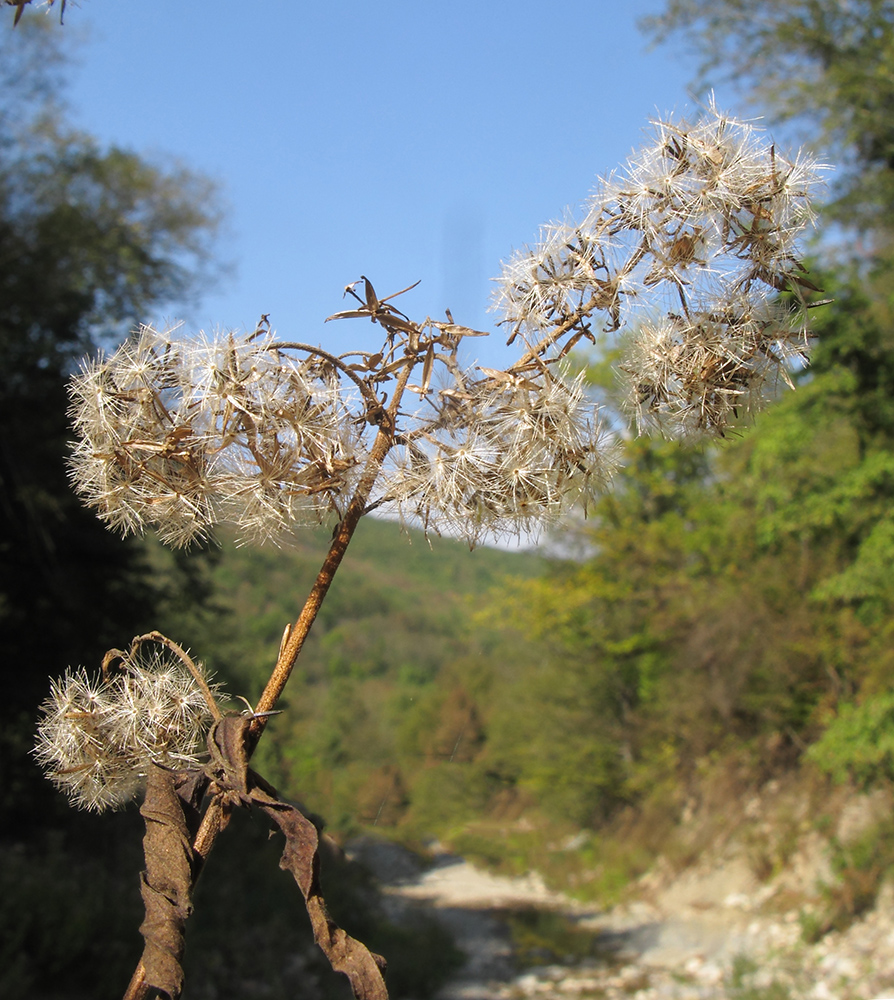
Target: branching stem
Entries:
(215, 817)
(344, 532)
(336, 362)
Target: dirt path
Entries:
(468, 902)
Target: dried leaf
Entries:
(389, 369)
(457, 330)
(300, 857)
(496, 374)
(389, 319)
(229, 758)
(351, 314)
(166, 882)
(372, 300)
(229, 768)
(427, 367)
(806, 283)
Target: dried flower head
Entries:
(97, 737)
(695, 240)
(184, 434)
(506, 454)
(696, 237)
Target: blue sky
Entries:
(401, 140)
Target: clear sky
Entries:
(401, 139)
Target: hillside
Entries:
(383, 686)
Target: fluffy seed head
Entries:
(694, 240)
(184, 434)
(518, 454)
(96, 737)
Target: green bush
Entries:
(859, 744)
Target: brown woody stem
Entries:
(215, 818)
(344, 533)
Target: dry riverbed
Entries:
(711, 933)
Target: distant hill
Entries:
(394, 584)
(378, 668)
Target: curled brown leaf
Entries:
(166, 882)
(233, 779)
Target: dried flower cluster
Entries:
(699, 236)
(185, 434)
(514, 454)
(695, 241)
(98, 736)
(182, 434)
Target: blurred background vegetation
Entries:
(728, 612)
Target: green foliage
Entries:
(391, 695)
(543, 937)
(858, 744)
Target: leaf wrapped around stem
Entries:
(167, 881)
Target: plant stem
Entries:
(343, 534)
(215, 818)
(540, 348)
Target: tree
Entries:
(823, 64)
(89, 239)
(820, 474)
(831, 65)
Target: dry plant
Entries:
(689, 247)
(20, 6)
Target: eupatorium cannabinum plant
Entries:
(691, 252)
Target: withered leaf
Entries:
(229, 757)
(427, 367)
(372, 300)
(806, 283)
(351, 314)
(346, 954)
(389, 319)
(229, 769)
(458, 330)
(166, 882)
